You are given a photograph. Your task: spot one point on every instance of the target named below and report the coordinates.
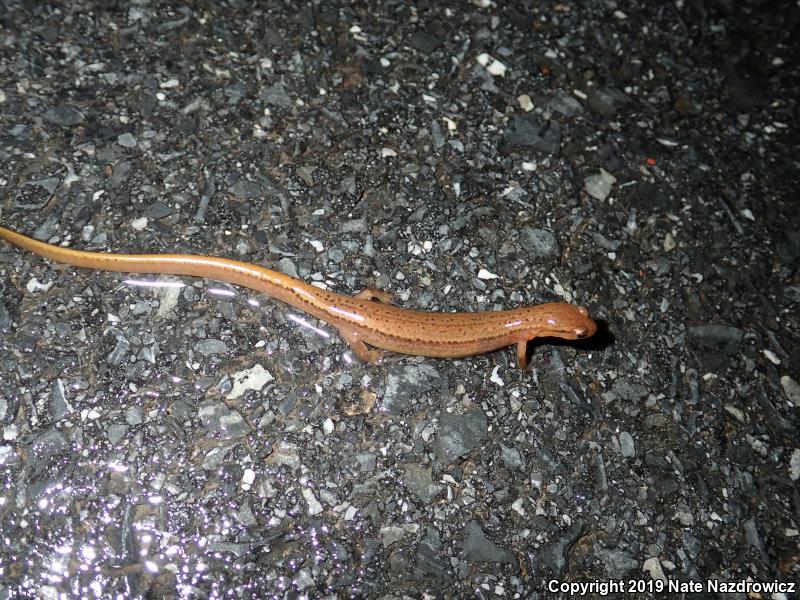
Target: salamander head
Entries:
(565, 321)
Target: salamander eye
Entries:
(580, 332)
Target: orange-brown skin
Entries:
(362, 320)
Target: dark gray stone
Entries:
(626, 445)
(417, 480)
(245, 189)
(59, 405)
(618, 563)
(539, 242)
(606, 101)
(424, 42)
(428, 560)
(527, 132)
(478, 548)
(564, 103)
(554, 557)
(366, 461)
(715, 343)
(47, 445)
(211, 346)
(276, 96)
(459, 434)
(221, 421)
(5, 317)
(512, 457)
(121, 349)
(407, 383)
(272, 37)
(115, 432)
(64, 115)
(120, 174)
(158, 210)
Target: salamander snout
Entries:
(581, 332)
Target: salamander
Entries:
(367, 321)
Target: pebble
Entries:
(120, 174)
(424, 41)
(794, 465)
(403, 384)
(512, 457)
(210, 347)
(248, 477)
(652, 566)
(617, 562)
(478, 548)
(564, 103)
(391, 535)
(525, 131)
(492, 65)
(115, 432)
(275, 95)
(418, 481)
(459, 434)
(606, 101)
(34, 285)
(599, 186)
(525, 102)
(64, 115)
(771, 356)
(252, 379)
(553, 558)
(428, 559)
(46, 445)
(245, 189)
(626, 445)
(792, 390)
(715, 342)
(303, 580)
(221, 421)
(539, 242)
(126, 140)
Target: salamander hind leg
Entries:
(376, 295)
(364, 352)
(522, 354)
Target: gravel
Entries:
(166, 436)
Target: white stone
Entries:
(792, 389)
(254, 378)
(314, 507)
(599, 186)
(525, 102)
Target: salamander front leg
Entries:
(522, 354)
(376, 295)
(364, 352)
